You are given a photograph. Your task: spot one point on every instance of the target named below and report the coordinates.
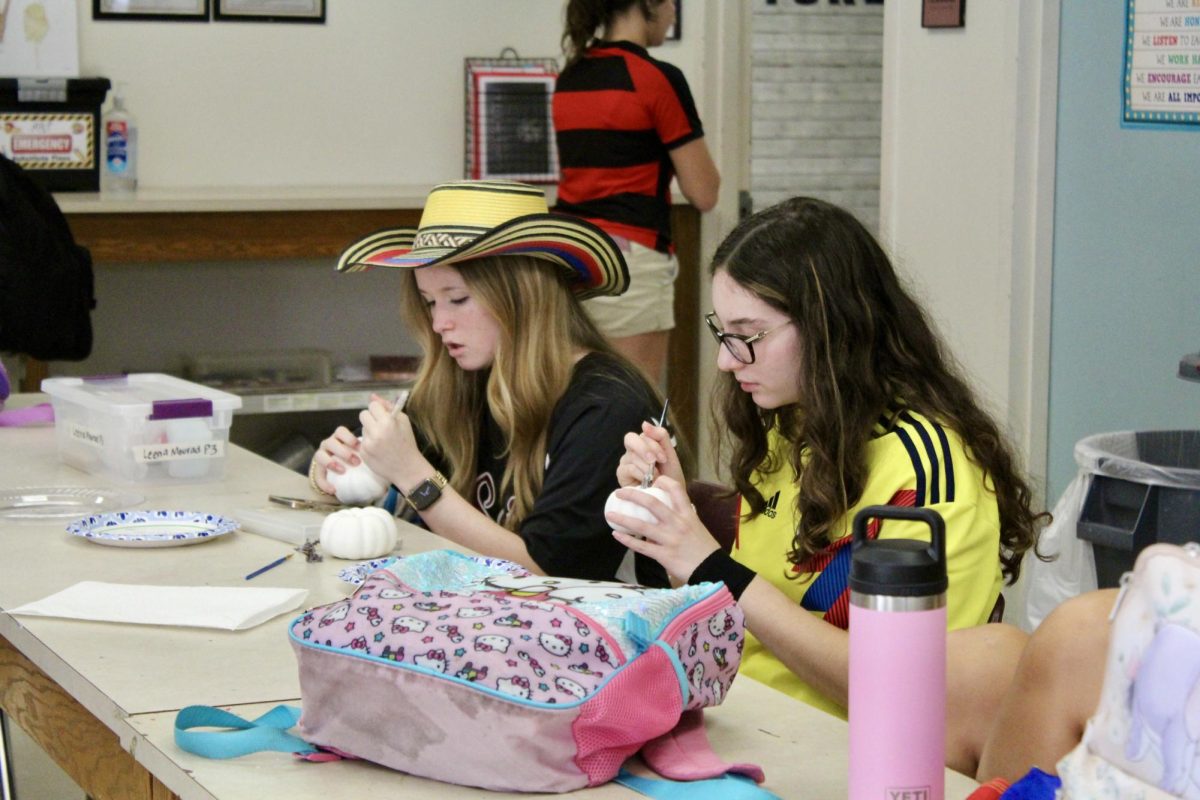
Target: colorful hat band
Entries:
(475, 219)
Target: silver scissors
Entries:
(304, 505)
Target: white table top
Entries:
(133, 678)
(124, 663)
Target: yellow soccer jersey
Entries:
(911, 461)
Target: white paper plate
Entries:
(152, 528)
(48, 503)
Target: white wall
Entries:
(967, 191)
(372, 97)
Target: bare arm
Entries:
(1056, 688)
(460, 522)
(389, 447)
(817, 652)
(698, 177)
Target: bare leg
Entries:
(648, 351)
(1056, 689)
(980, 664)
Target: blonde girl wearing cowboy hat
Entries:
(511, 435)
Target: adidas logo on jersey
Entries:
(771, 505)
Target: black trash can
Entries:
(1145, 489)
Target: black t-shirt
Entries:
(565, 532)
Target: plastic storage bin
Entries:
(1145, 488)
(142, 428)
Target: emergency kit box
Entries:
(142, 428)
(51, 127)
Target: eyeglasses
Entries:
(740, 346)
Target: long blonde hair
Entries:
(542, 330)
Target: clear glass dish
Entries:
(48, 503)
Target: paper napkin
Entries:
(222, 607)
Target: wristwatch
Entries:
(426, 492)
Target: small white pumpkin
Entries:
(631, 509)
(359, 533)
(358, 485)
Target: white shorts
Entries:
(649, 302)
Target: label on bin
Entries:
(175, 451)
(82, 435)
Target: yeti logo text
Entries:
(909, 793)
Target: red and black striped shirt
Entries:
(617, 115)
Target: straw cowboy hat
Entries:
(466, 220)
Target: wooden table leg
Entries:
(80, 744)
(34, 373)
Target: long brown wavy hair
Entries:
(585, 17)
(542, 330)
(865, 345)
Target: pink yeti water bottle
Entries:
(897, 660)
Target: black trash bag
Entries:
(46, 284)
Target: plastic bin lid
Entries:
(1118, 455)
(147, 395)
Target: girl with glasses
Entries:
(835, 394)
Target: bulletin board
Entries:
(509, 130)
(1162, 65)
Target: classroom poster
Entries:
(1162, 64)
(39, 39)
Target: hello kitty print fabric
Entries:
(537, 639)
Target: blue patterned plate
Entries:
(152, 528)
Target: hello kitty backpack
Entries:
(1144, 739)
(474, 671)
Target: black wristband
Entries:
(720, 566)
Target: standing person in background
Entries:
(626, 125)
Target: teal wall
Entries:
(1126, 295)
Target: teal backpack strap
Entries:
(268, 732)
(725, 787)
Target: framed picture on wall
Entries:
(509, 130)
(269, 11)
(162, 10)
(675, 32)
(943, 13)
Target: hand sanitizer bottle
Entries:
(120, 148)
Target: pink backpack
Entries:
(474, 671)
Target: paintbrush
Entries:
(648, 478)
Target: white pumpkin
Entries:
(359, 533)
(358, 485)
(632, 509)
